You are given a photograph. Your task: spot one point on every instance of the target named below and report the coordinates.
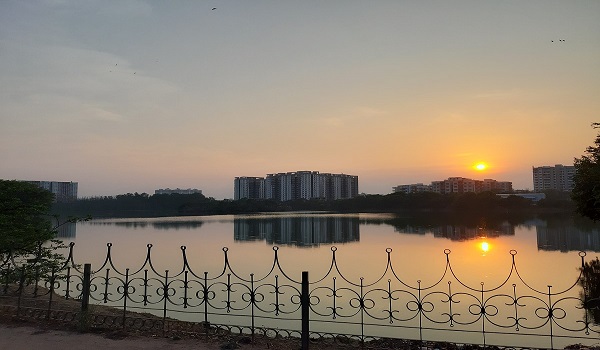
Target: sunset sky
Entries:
(132, 96)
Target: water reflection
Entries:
(554, 233)
(159, 225)
(299, 231)
(568, 234)
(590, 283)
(67, 230)
(455, 228)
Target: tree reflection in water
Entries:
(590, 281)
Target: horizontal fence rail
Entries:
(364, 311)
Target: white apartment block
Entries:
(248, 187)
(297, 185)
(63, 191)
(558, 177)
(412, 188)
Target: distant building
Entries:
(534, 197)
(493, 185)
(412, 188)
(297, 185)
(464, 185)
(248, 187)
(63, 191)
(178, 191)
(457, 185)
(558, 177)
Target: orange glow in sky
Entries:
(132, 109)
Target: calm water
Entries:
(546, 252)
(305, 241)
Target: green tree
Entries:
(27, 231)
(586, 182)
(24, 219)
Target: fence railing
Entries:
(331, 306)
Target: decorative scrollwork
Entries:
(346, 309)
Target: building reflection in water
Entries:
(302, 231)
(568, 234)
(66, 230)
(464, 233)
(460, 232)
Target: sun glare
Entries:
(484, 246)
(480, 166)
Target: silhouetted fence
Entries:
(330, 307)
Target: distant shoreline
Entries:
(487, 203)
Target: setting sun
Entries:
(480, 166)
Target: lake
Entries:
(547, 255)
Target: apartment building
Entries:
(297, 185)
(464, 185)
(412, 188)
(63, 191)
(496, 186)
(558, 177)
(249, 187)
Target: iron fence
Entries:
(364, 312)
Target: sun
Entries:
(480, 166)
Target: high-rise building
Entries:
(558, 177)
(63, 191)
(297, 185)
(249, 187)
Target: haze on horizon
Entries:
(133, 95)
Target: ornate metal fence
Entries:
(362, 311)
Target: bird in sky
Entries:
(214, 8)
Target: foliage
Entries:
(24, 219)
(590, 281)
(586, 182)
(132, 205)
(27, 231)
(36, 264)
(144, 205)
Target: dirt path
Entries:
(27, 337)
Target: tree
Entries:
(590, 282)
(24, 219)
(586, 182)
(27, 231)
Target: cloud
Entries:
(50, 83)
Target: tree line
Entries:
(144, 205)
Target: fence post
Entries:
(305, 303)
(85, 290)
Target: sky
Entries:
(133, 95)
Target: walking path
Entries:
(27, 337)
